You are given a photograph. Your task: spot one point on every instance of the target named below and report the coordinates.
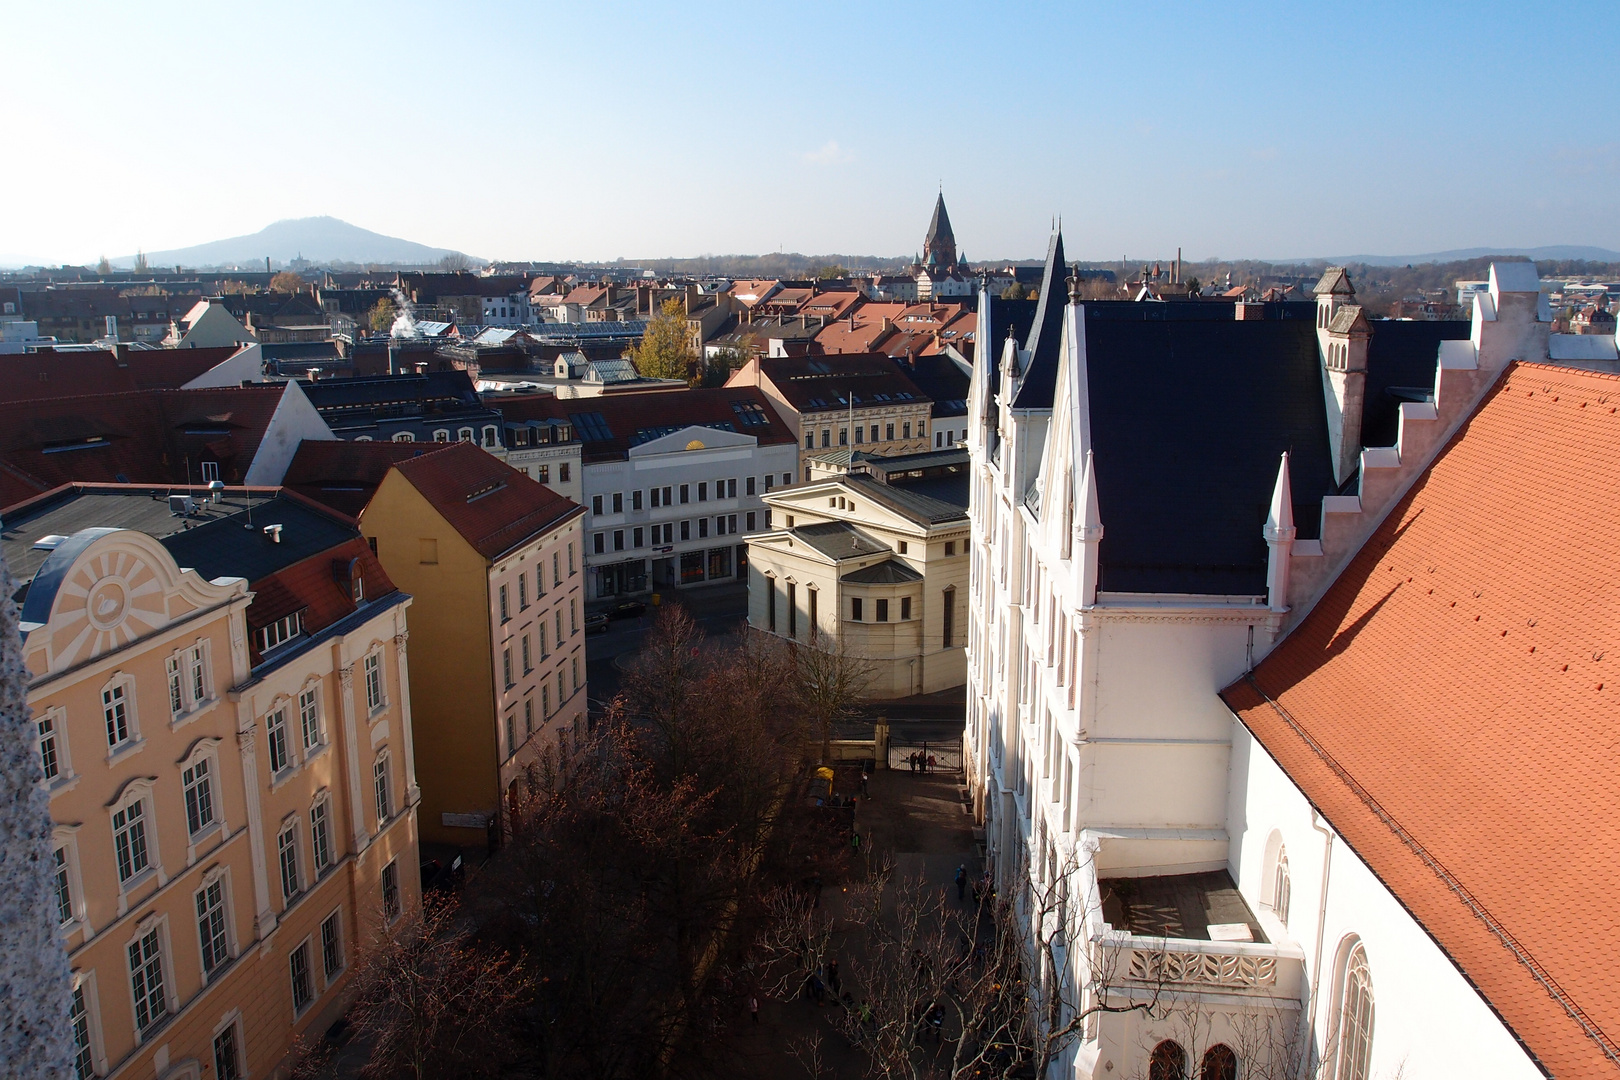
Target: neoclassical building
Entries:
(221, 704)
(1163, 492)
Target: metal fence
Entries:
(946, 753)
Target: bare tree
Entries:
(454, 263)
(831, 679)
(437, 1002)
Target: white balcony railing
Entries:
(1183, 964)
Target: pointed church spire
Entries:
(939, 247)
(1279, 533)
(1280, 519)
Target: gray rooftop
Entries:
(887, 572)
(909, 503)
(1176, 905)
(838, 540)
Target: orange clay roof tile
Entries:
(1452, 706)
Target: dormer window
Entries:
(278, 633)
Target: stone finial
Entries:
(1280, 519)
(34, 979)
(1074, 285)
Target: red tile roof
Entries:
(344, 475)
(49, 374)
(151, 436)
(314, 586)
(494, 507)
(1452, 706)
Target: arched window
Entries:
(1353, 1019)
(1167, 1062)
(1281, 886)
(1219, 1064)
(404, 436)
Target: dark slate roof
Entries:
(228, 546)
(1015, 315)
(1401, 361)
(938, 376)
(838, 540)
(823, 383)
(300, 350)
(908, 501)
(608, 426)
(939, 227)
(1046, 334)
(887, 572)
(380, 390)
(1189, 420)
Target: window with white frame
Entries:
(130, 841)
(197, 781)
(374, 682)
(309, 717)
(117, 709)
(210, 901)
(227, 1054)
(1281, 886)
(146, 980)
(1353, 1019)
(320, 833)
(332, 945)
(62, 879)
(197, 667)
(287, 860)
(84, 1055)
(53, 757)
(177, 686)
(303, 990)
(379, 781)
(275, 727)
(279, 632)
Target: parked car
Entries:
(626, 609)
(596, 622)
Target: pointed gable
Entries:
(1040, 372)
(1335, 282)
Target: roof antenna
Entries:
(249, 493)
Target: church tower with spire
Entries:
(939, 249)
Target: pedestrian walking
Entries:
(832, 976)
(753, 1007)
(855, 842)
(961, 883)
(864, 795)
(933, 765)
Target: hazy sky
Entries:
(605, 130)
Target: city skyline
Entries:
(1145, 131)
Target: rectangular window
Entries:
(129, 839)
(950, 548)
(905, 608)
(810, 440)
(855, 608)
(748, 485)
(528, 717)
(618, 502)
(506, 613)
(320, 835)
(888, 433)
(528, 661)
(599, 543)
(731, 522)
(559, 628)
(636, 538)
(686, 530)
(720, 525)
(686, 493)
(793, 610)
(511, 735)
(573, 607)
(211, 926)
(177, 688)
(146, 981)
(562, 473)
(731, 488)
(390, 891)
(767, 483)
(199, 675)
(48, 758)
(276, 729)
(635, 499)
(882, 611)
(115, 708)
(703, 527)
(770, 604)
(703, 491)
(379, 783)
(64, 891)
(902, 547)
(298, 966)
(545, 700)
(542, 632)
(332, 945)
(860, 433)
(618, 539)
(287, 860)
(750, 521)
(562, 692)
(574, 664)
(906, 427)
(84, 1060)
(950, 618)
(309, 718)
(523, 591)
(654, 498)
(826, 438)
(506, 668)
(543, 473)
(815, 622)
(596, 504)
(843, 436)
(199, 790)
(374, 684)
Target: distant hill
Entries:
(1555, 253)
(318, 239)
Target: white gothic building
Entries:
(1161, 492)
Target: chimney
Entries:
(112, 327)
(267, 264)
(1247, 312)
(887, 325)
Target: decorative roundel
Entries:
(110, 598)
(695, 444)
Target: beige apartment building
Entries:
(221, 696)
(875, 560)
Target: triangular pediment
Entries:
(691, 437)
